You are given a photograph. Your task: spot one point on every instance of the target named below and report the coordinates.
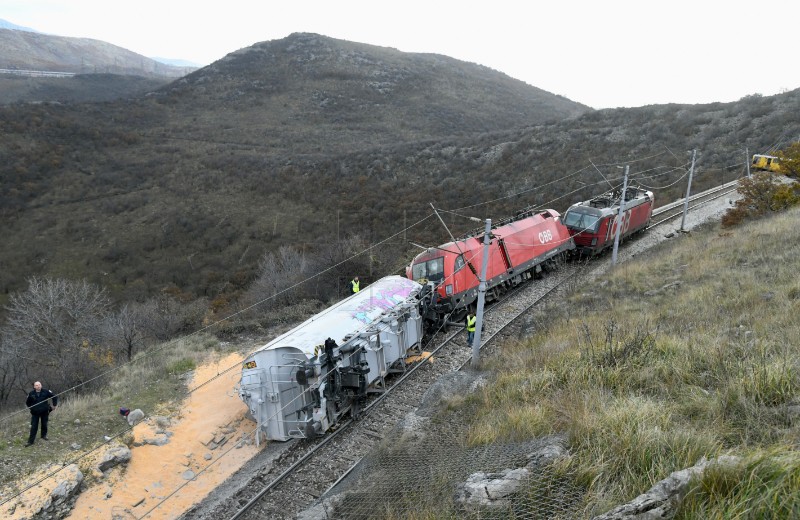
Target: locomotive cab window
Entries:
(460, 263)
(432, 269)
(581, 221)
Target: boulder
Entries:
(135, 416)
(63, 496)
(662, 500)
(491, 490)
(158, 439)
(114, 456)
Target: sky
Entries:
(602, 53)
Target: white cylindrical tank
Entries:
(380, 322)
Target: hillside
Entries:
(309, 140)
(308, 93)
(82, 88)
(95, 71)
(200, 155)
(28, 50)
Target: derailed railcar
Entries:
(518, 250)
(301, 383)
(593, 223)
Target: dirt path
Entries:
(162, 482)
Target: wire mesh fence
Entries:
(436, 477)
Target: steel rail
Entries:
(706, 200)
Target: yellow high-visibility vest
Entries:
(471, 321)
(355, 285)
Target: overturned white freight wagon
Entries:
(301, 383)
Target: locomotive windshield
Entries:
(581, 221)
(432, 269)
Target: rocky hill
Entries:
(310, 92)
(28, 50)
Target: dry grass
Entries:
(766, 484)
(693, 353)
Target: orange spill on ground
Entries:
(41, 485)
(156, 473)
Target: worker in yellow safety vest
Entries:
(355, 284)
(471, 321)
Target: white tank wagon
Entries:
(301, 383)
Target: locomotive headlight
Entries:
(449, 290)
(594, 241)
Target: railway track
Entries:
(674, 210)
(307, 469)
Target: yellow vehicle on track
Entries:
(767, 162)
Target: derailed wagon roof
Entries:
(350, 316)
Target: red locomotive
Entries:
(518, 250)
(593, 223)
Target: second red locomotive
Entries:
(593, 223)
(519, 249)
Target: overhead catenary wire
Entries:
(199, 386)
(601, 173)
(281, 292)
(560, 179)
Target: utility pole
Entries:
(620, 217)
(688, 191)
(476, 341)
(747, 160)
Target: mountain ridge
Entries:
(354, 92)
(30, 50)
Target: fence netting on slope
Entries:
(435, 476)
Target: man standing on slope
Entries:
(354, 285)
(38, 402)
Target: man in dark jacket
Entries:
(38, 402)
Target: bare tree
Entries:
(163, 318)
(279, 277)
(55, 326)
(13, 375)
(341, 260)
(125, 329)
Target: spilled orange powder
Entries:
(144, 485)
